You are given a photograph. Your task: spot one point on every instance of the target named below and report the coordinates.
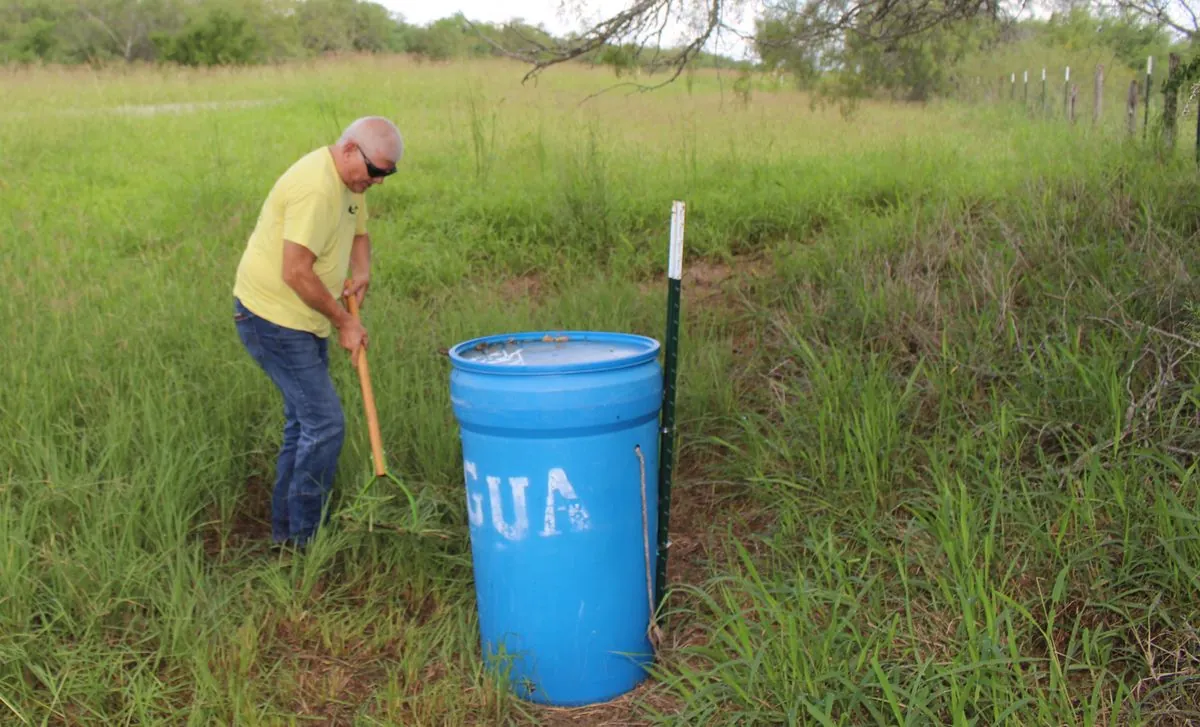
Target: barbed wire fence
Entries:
(1152, 105)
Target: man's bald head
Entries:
(371, 140)
(377, 137)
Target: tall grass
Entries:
(937, 401)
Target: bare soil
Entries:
(712, 281)
(523, 287)
(250, 526)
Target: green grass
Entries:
(938, 410)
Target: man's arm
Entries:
(360, 267)
(298, 274)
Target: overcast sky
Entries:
(544, 12)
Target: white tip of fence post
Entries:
(1043, 74)
(675, 263)
(1068, 73)
(1149, 65)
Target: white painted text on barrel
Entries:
(576, 513)
(474, 501)
(517, 530)
(561, 498)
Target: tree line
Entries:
(791, 39)
(245, 32)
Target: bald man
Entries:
(309, 248)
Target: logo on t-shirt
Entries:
(353, 209)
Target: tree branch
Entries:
(1157, 11)
(643, 24)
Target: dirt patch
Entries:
(325, 688)
(522, 287)
(705, 275)
(330, 691)
(702, 518)
(420, 610)
(622, 712)
(690, 542)
(249, 526)
(704, 281)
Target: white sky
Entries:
(549, 14)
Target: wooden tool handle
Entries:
(364, 377)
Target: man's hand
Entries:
(352, 335)
(357, 286)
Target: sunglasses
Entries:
(375, 171)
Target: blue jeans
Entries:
(314, 428)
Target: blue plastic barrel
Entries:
(552, 424)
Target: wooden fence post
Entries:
(1170, 100)
(1196, 109)
(1149, 83)
(1098, 100)
(1131, 104)
(1074, 96)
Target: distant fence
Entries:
(1137, 99)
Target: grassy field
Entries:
(938, 406)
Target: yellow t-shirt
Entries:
(311, 206)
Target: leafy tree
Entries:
(442, 40)
(372, 28)
(220, 37)
(1128, 35)
(326, 26)
(36, 39)
(913, 67)
(854, 64)
(777, 41)
(122, 28)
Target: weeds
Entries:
(943, 426)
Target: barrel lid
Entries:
(552, 352)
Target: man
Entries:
(311, 233)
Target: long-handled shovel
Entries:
(364, 377)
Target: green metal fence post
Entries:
(666, 453)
